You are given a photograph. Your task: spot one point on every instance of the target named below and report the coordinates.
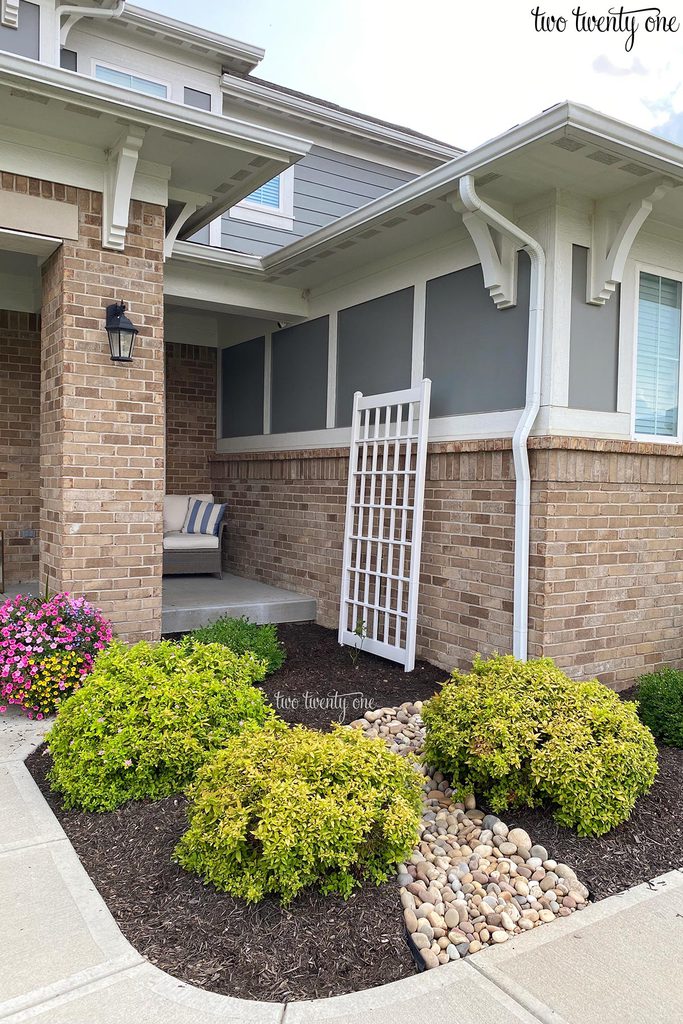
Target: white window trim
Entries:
(673, 275)
(281, 217)
(95, 62)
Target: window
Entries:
(195, 98)
(127, 80)
(267, 195)
(658, 356)
(272, 204)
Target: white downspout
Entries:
(520, 452)
(76, 13)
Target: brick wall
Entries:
(285, 525)
(607, 552)
(606, 569)
(190, 417)
(102, 424)
(19, 451)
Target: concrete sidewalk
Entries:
(66, 962)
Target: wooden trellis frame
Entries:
(383, 528)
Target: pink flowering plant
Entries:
(47, 648)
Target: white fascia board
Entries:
(244, 55)
(224, 259)
(215, 284)
(263, 96)
(436, 183)
(81, 90)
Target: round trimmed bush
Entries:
(148, 717)
(241, 635)
(286, 808)
(660, 701)
(524, 733)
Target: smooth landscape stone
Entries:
(471, 881)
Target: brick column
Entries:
(102, 423)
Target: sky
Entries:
(462, 70)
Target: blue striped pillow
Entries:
(203, 517)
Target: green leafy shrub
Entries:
(241, 635)
(660, 699)
(524, 733)
(148, 717)
(287, 808)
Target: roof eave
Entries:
(249, 91)
(242, 56)
(80, 90)
(664, 155)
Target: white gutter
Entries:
(520, 452)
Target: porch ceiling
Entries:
(213, 157)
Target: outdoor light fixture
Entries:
(121, 333)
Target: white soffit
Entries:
(23, 242)
(206, 153)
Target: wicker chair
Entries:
(189, 554)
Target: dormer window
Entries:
(127, 80)
(271, 204)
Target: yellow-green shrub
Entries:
(148, 717)
(524, 733)
(286, 808)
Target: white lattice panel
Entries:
(383, 530)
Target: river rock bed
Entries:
(472, 881)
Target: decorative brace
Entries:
(9, 13)
(498, 256)
(122, 161)
(186, 212)
(610, 245)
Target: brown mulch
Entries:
(320, 946)
(318, 672)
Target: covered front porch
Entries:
(189, 602)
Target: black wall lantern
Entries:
(121, 333)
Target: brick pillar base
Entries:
(102, 423)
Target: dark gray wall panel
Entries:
(327, 185)
(25, 40)
(475, 354)
(593, 344)
(374, 347)
(196, 98)
(299, 377)
(242, 368)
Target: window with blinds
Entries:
(658, 356)
(267, 195)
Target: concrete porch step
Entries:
(192, 601)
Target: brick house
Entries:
(277, 254)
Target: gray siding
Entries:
(374, 347)
(242, 369)
(327, 185)
(299, 377)
(593, 344)
(475, 354)
(25, 40)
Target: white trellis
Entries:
(383, 531)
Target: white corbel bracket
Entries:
(612, 239)
(185, 213)
(497, 254)
(9, 13)
(122, 161)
